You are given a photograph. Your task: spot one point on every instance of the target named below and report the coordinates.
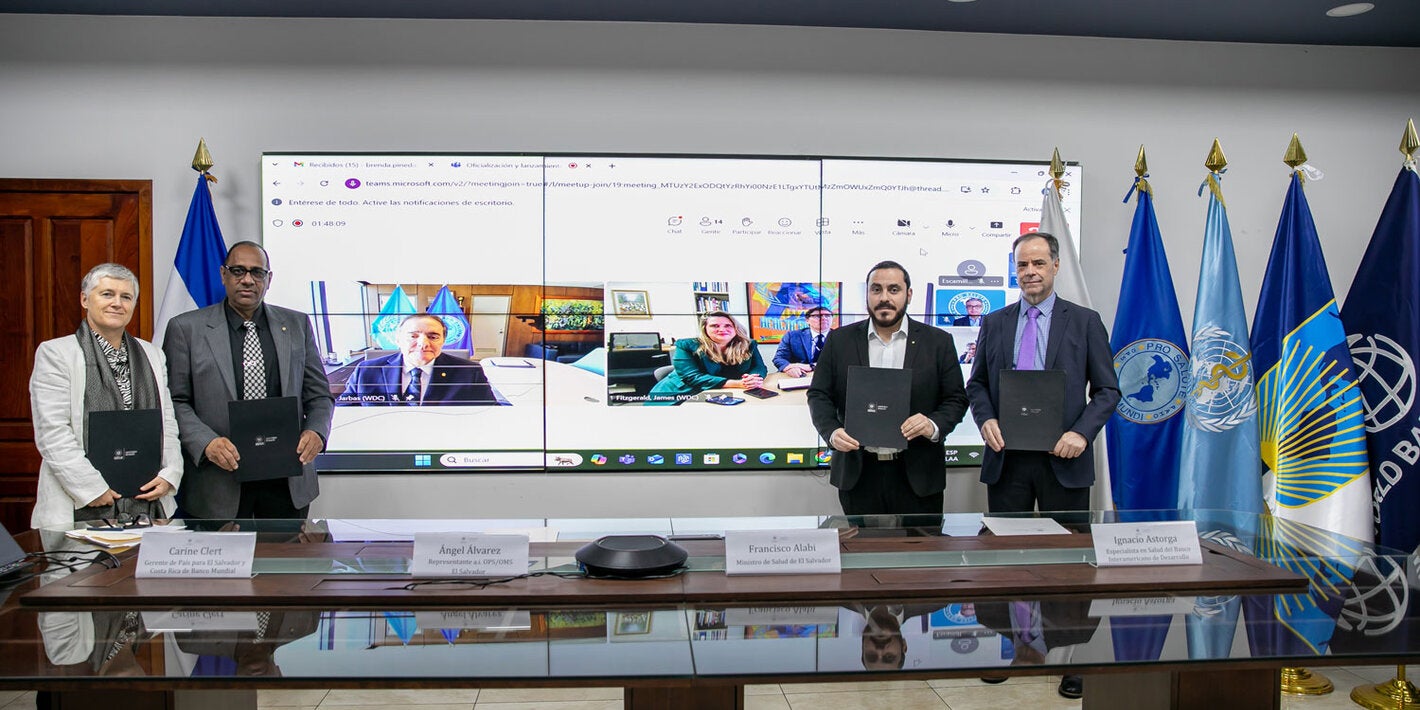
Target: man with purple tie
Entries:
(798, 350)
(1042, 331)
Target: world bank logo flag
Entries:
(1382, 319)
(1312, 426)
(1151, 359)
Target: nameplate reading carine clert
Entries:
(1144, 544)
(213, 555)
(469, 555)
(782, 552)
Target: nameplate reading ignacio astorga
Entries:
(782, 552)
(469, 555)
(1142, 544)
(214, 555)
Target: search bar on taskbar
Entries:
(492, 459)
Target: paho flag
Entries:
(1151, 359)
(1311, 422)
(196, 281)
(1219, 467)
(382, 329)
(1382, 320)
(447, 308)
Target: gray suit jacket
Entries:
(199, 351)
(1079, 345)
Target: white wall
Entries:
(125, 97)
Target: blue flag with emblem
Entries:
(447, 308)
(1311, 423)
(383, 327)
(1151, 359)
(1382, 320)
(1219, 466)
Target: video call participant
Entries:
(235, 350)
(98, 368)
(883, 480)
(799, 350)
(722, 357)
(1043, 331)
(421, 373)
(969, 356)
(973, 313)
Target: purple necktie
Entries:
(1025, 357)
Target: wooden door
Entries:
(51, 233)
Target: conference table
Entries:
(332, 604)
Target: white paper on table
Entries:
(1024, 526)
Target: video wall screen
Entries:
(544, 298)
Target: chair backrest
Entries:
(635, 341)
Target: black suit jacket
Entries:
(937, 391)
(455, 380)
(1078, 345)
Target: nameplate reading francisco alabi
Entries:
(211, 555)
(782, 552)
(469, 555)
(1145, 544)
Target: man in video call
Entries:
(875, 480)
(972, 318)
(243, 348)
(421, 373)
(799, 350)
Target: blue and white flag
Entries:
(1219, 467)
(1311, 421)
(1382, 320)
(196, 281)
(1151, 359)
(447, 308)
(383, 327)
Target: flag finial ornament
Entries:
(1141, 164)
(1141, 173)
(1295, 155)
(1409, 142)
(1057, 166)
(1216, 161)
(202, 160)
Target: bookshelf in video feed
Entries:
(616, 312)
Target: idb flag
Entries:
(196, 281)
(1151, 359)
(1312, 426)
(1382, 320)
(383, 327)
(447, 308)
(1219, 466)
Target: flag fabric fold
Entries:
(1382, 321)
(1311, 422)
(1219, 466)
(1151, 359)
(196, 281)
(447, 308)
(383, 327)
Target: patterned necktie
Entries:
(1025, 357)
(253, 367)
(414, 392)
(818, 346)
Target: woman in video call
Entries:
(99, 367)
(723, 357)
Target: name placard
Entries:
(213, 555)
(469, 555)
(200, 620)
(476, 620)
(1143, 606)
(782, 552)
(1143, 544)
(769, 615)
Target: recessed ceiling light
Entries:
(1350, 9)
(961, 0)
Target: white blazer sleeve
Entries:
(56, 436)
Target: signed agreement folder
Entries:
(126, 447)
(265, 432)
(877, 404)
(1032, 410)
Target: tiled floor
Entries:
(1035, 692)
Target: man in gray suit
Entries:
(243, 348)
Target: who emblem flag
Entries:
(1311, 421)
(1383, 333)
(447, 308)
(383, 327)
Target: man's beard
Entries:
(892, 321)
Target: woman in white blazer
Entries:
(99, 367)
